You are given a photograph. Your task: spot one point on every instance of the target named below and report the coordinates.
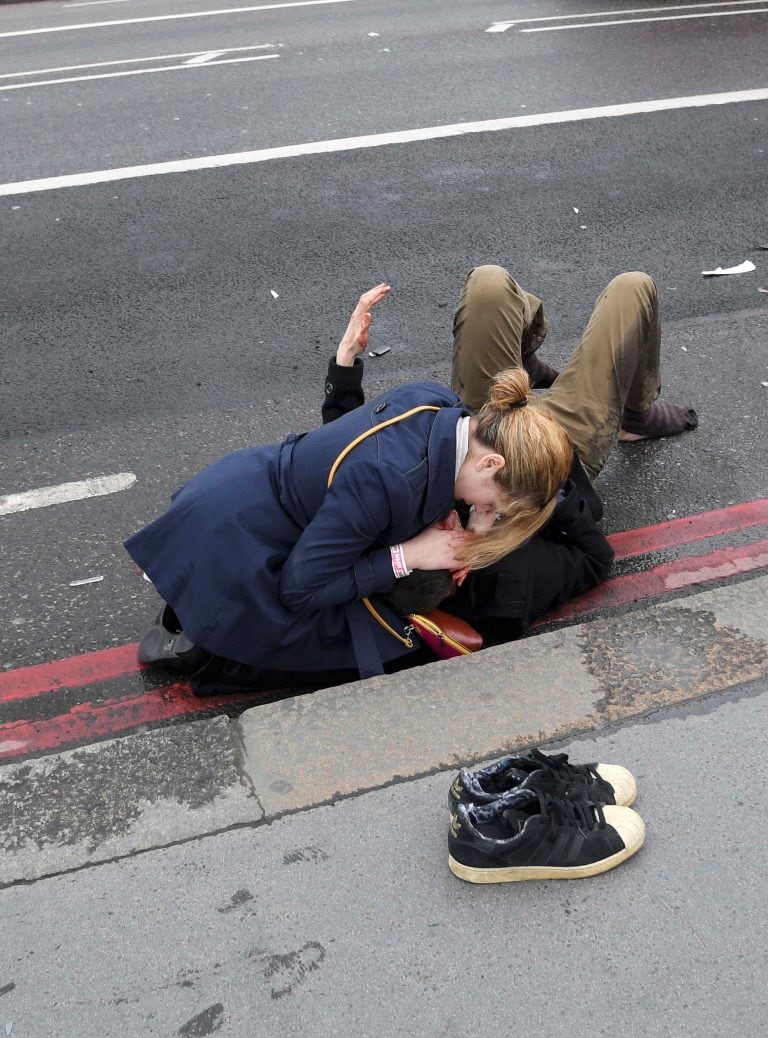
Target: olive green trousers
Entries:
(615, 365)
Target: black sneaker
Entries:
(552, 774)
(527, 835)
(165, 644)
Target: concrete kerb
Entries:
(309, 750)
(116, 798)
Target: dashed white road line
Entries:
(95, 3)
(188, 65)
(130, 61)
(378, 140)
(171, 17)
(503, 26)
(201, 59)
(656, 18)
(98, 486)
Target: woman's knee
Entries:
(635, 282)
(491, 284)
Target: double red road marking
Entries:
(88, 721)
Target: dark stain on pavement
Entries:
(90, 796)
(286, 972)
(204, 1023)
(240, 897)
(6, 988)
(674, 654)
(314, 854)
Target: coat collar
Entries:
(441, 456)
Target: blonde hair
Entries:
(537, 453)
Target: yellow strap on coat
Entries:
(408, 642)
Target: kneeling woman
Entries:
(274, 556)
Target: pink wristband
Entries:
(399, 567)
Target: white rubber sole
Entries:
(627, 823)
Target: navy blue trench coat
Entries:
(263, 564)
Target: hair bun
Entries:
(510, 388)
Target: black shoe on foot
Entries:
(526, 835)
(541, 374)
(171, 648)
(551, 774)
(659, 420)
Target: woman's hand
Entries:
(434, 548)
(355, 338)
(451, 522)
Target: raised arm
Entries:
(343, 383)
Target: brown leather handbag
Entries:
(445, 634)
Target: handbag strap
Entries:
(406, 640)
(372, 432)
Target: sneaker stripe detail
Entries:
(518, 873)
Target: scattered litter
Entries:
(85, 580)
(373, 34)
(575, 209)
(15, 207)
(684, 349)
(274, 294)
(763, 290)
(743, 268)
(582, 227)
(383, 50)
(764, 384)
(759, 245)
(379, 351)
(8, 1027)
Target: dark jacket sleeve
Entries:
(337, 558)
(570, 555)
(343, 389)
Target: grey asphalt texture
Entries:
(139, 333)
(723, 462)
(344, 920)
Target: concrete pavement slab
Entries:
(123, 796)
(118, 797)
(311, 749)
(344, 920)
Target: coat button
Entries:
(379, 408)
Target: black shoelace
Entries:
(559, 762)
(559, 812)
(580, 813)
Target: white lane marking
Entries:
(503, 26)
(135, 72)
(95, 3)
(200, 59)
(103, 176)
(657, 18)
(127, 61)
(172, 17)
(98, 486)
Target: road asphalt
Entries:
(284, 871)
